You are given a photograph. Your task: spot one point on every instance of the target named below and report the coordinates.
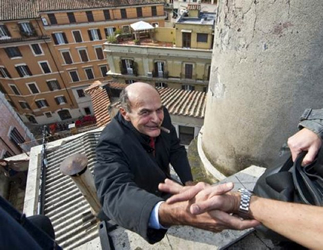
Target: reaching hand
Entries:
(190, 204)
(304, 140)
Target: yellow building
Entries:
(178, 57)
(50, 51)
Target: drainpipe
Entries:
(75, 166)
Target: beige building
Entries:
(176, 57)
(50, 51)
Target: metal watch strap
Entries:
(244, 200)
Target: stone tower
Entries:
(267, 67)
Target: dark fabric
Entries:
(127, 173)
(44, 223)
(17, 231)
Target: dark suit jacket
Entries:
(127, 174)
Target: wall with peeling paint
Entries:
(267, 67)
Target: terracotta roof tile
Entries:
(18, 9)
(100, 102)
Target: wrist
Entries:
(244, 204)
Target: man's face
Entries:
(146, 114)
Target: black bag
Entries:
(291, 182)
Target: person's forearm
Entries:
(300, 223)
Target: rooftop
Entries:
(28, 9)
(204, 18)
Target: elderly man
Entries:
(133, 157)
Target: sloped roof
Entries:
(100, 102)
(141, 25)
(28, 9)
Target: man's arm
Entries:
(298, 222)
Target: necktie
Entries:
(152, 144)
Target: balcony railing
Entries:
(21, 39)
(160, 74)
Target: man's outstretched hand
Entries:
(202, 206)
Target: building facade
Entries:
(50, 51)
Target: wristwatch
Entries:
(244, 201)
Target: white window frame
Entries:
(57, 98)
(3, 71)
(80, 36)
(109, 31)
(69, 72)
(24, 71)
(28, 83)
(14, 85)
(87, 68)
(87, 55)
(66, 50)
(96, 47)
(41, 100)
(59, 37)
(31, 47)
(24, 104)
(3, 32)
(39, 63)
(26, 26)
(95, 34)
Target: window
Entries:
(52, 18)
(189, 71)
(188, 87)
(2, 89)
(45, 67)
(127, 67)
(53, 85)
(89, 73)
(201, 38)
(14, 89)
(48, 114)
(186, 134)
(7, 154)
(156, 25)
(89, 16)
(4, 32)
(106, 14)
(77, 36)
(33, 88)
(186, 38)
(71, 17)
(80, 93)
(74, 76)
(60, 100)
(139, 12)
(24, 105)
(67, 57)
(16, 138)
(161, 84)
(94, 34)
(109, 31)
(129, 81)
(23, 70)
(13, 52)
(126, 29)
(99, 53)
(36, 48)
(41, 103)
(104, 70)
(159, 69)
(87, 111)
(4, 72)
(153, 11)
(123, 13)
(64, 114)
(83, 55)
(59, 38)
(26, 29)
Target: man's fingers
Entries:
(170, 186)
(185, 195)
(310, 156)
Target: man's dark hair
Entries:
(124, 100)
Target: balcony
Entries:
(160, 74)
(23, 39)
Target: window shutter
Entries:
(27, 105)
(166, 85)
(56, 100)
(90, 35)
(99, 34)
(46, 103)
(54, 38)
(28, 70)
(6, 30)
(38, 104)
(19, 72)
(65, 38)
(156, 67)
(193, 87)
(49, 86)
(20, 27)
(183, 87)
(106, 32)
(64, 99)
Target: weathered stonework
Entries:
(266, 69)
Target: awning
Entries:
(141, 25)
